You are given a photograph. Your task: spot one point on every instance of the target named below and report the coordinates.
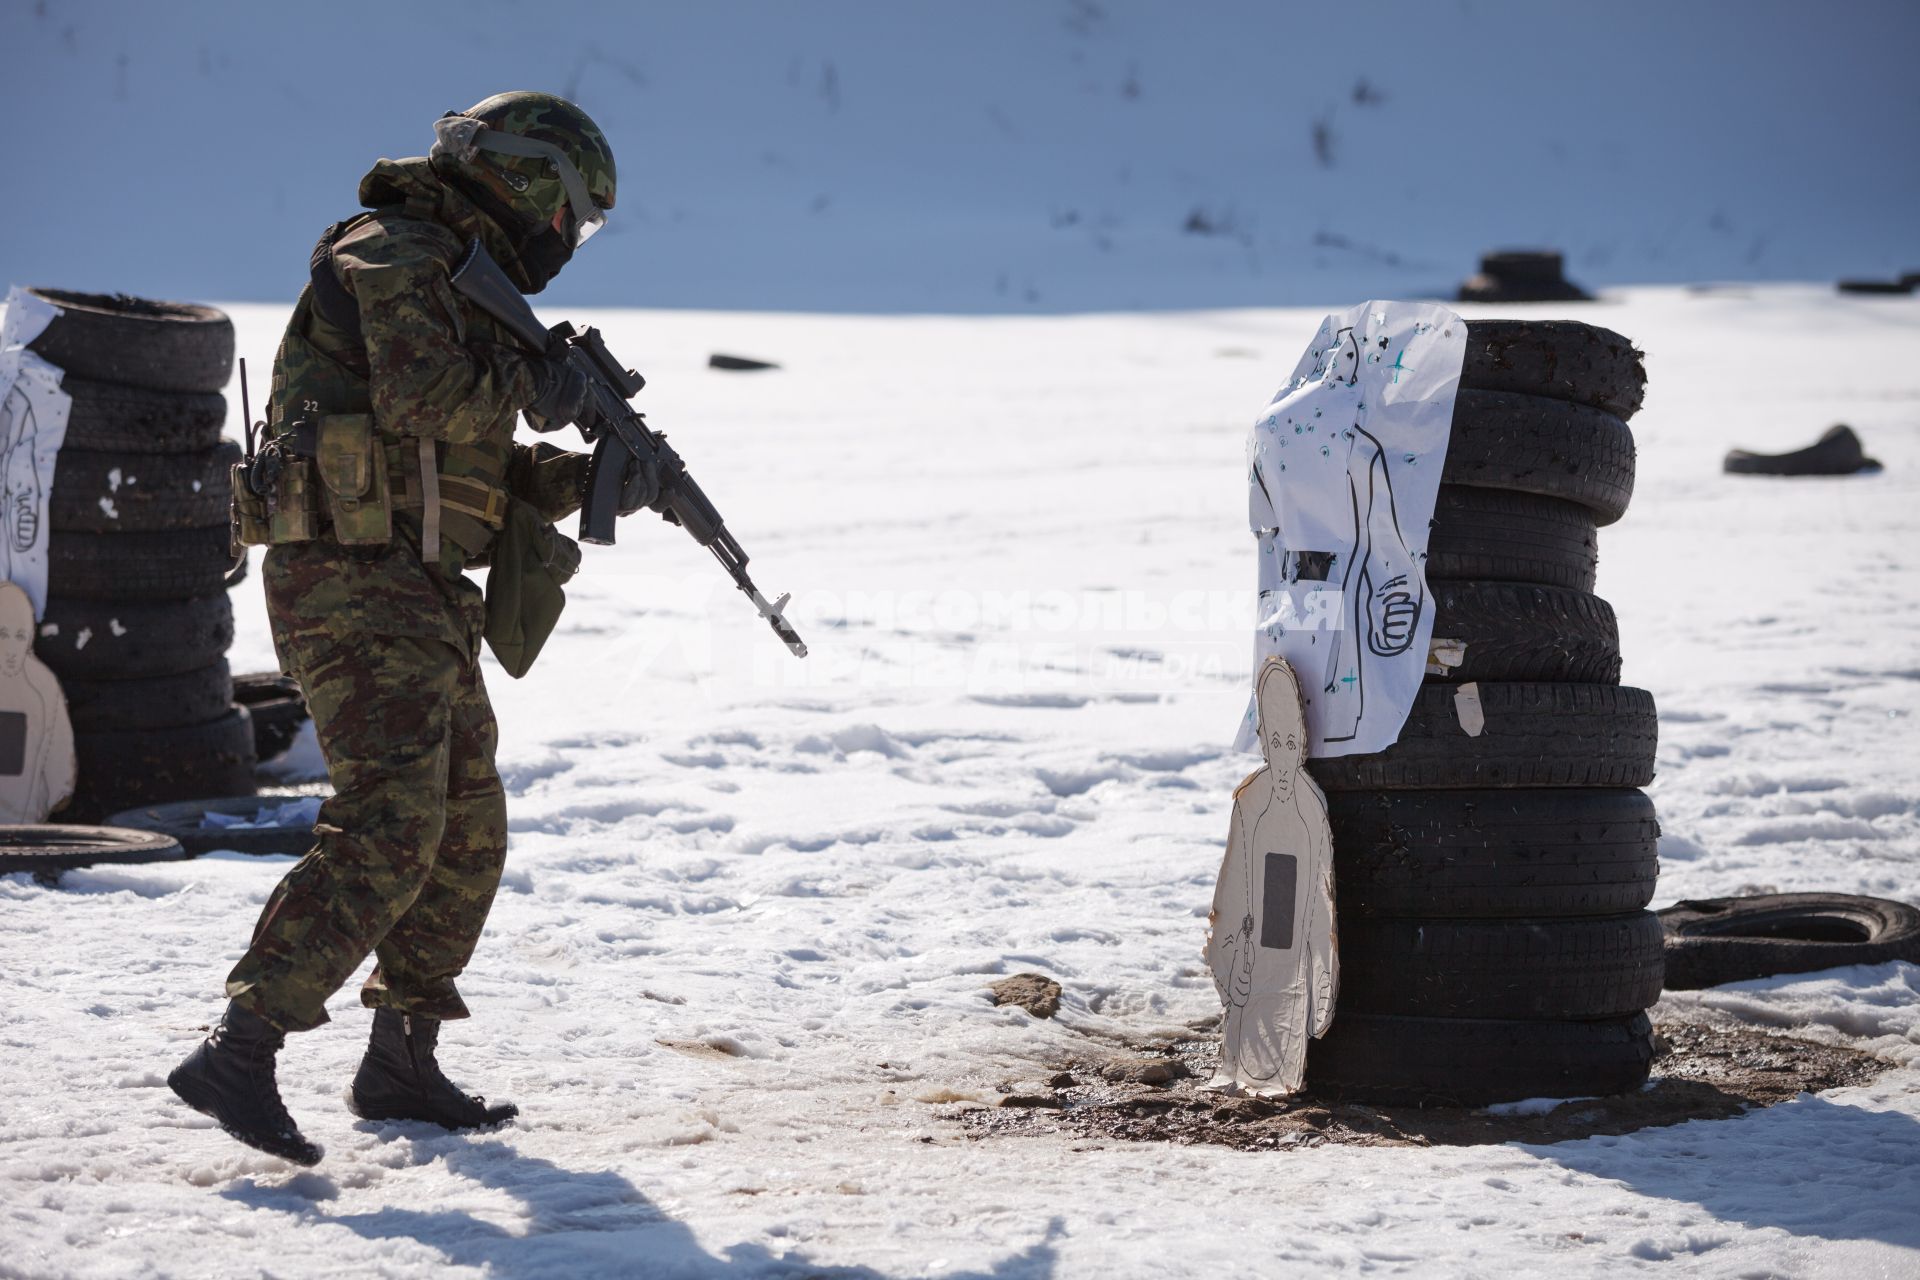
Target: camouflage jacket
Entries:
(428, 364)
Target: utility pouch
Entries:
(251, 524)
(531, 562)
(353, 471)
(294, 512)
(274, 500)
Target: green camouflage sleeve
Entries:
(550, 478)
(428, 376)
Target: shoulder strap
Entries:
(330, 298)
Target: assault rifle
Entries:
(617, 431)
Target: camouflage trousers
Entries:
(410, 847)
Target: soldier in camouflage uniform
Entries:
(375, 616)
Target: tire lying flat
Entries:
(1596, 967)
(1716, 940)
(184, 821)
(126, 639)
(1471, 1062)
(1535, 444)
(115, 567)
(1534, 734)
(107, 417)
(1561, 359)
(141, 493)
(140, 342)
(150, 702)
(1515, 852)
(1513, 631)
(49, 849)
(1487, 535)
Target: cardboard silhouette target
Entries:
(36, 739)
(1270, 941)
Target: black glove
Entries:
(562, 399)
(641, 487)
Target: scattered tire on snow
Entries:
(1474, 1061)
(141, 493)
(1513, 631)
(1535, 444)
(1522, 275)
(277, 706)
(1838, 452)
(738, 364)
(1715, 940)
(150, 702)
(1564, 359)
(123, 768)
(49, 850)
(109, 418)
(1496, 854)
(128, 639)
(1593, 967)
(1509, 734)
(141, 342)
(1484, 534)
(138, 566)
(185, 822)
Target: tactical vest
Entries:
(450, 494)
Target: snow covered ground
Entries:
(739, 960)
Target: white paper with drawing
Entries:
(1344, 468)
(33, 422)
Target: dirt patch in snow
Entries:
(1700, 1073)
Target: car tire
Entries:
(138, 566)
(123, 768)
(1530, 734)
(1715, 940)
(1484, 534)
(1562, 359)
(184, 821)
(1513, 631)
(150, 702)
(277, 706)
(140, 342)
(129, 639)
(135, 493)
(1594, 967)
(1509, 853)
(46, 850)
(1534, 444)
(1473, 1062)
(107, 417)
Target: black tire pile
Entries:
(1492, 885)
(1522, 275)
(138, 621)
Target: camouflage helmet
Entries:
(534, 153)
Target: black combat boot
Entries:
(400, 1080)
(230, 1077)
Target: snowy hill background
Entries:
(991, 157)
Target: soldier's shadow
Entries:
(575, 1223)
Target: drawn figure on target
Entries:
(1271, 945)
(36, 737)
(1382, 589)
(20, 495)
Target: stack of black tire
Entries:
(1492, 867)
(1522, 275)
(138, 622)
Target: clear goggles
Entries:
(461, 136)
